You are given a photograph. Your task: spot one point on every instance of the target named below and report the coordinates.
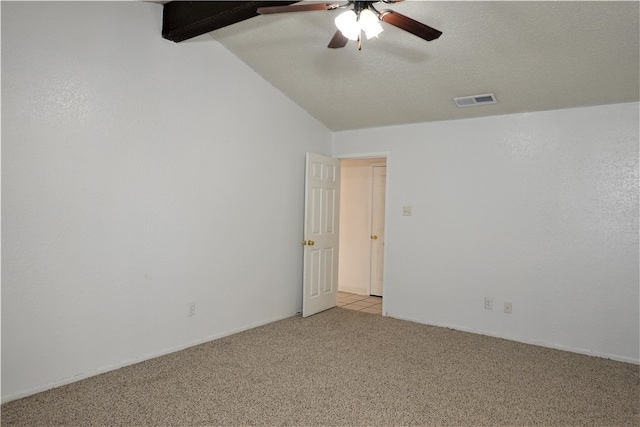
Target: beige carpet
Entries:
(343, 367)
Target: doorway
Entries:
(362, 232)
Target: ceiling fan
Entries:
(360, 16)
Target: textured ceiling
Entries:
(532, 55)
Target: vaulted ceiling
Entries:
(532, 55)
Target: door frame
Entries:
(379, 155)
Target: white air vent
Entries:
(469, 101)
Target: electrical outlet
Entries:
(192, 309)
(488, 304)
(406, 211)
(507, 307)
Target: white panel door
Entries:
(378, 188)
(321, 215)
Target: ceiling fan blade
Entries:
(338, 40)
(405, 23)
(296, 8)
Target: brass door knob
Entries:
(308, 243)
(374, 237)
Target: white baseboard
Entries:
(358, 291)
(129, 362)
(532, 342)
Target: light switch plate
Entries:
(406, 210)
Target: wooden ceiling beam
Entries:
(182, 20)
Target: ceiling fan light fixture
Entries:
(370, 24)
(362, 17)
(348, 25)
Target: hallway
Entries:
(367, 304)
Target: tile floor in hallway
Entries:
(363, 303)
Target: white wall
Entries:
(538, 209)
(138, 175)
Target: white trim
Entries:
(380, 155)
(357, 291)
(129, 362)
(583, 351)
